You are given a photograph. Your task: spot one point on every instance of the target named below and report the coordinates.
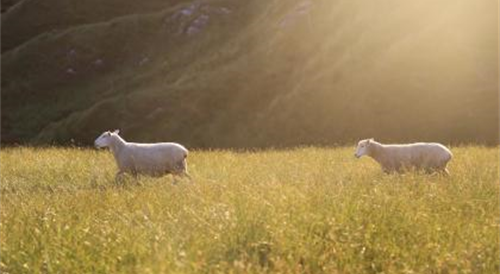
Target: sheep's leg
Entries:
(135, 174)
(438, 171)
(181, 170)
(186, 174)
(429, 170)
(119, 177)
(175, 178)
(399, 168)
(179, 175)
(388, 170)
(445, 172)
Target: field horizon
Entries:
(302, 210)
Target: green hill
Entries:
(233, 73)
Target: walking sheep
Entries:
(154, 159)
(429, 157)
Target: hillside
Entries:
(229, 73)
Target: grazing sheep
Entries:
(154, 159)
(429, 157)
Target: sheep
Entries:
(429, 157)
(155, 159)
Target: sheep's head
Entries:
(105, 139)
(363, 148)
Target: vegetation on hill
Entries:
(227, 73)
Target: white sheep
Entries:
(154, 159)
(429, 157)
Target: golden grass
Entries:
(304, 210)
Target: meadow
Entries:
(303, 210)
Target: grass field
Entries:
(304, 210)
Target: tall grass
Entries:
(305, 210)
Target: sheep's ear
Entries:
(116, 131)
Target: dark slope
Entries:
(30, 18)
(7, 4)
(234, 74)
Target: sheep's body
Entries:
(429, 157)
(154, 159)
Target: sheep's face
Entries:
(363, 148)
(104, 140)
